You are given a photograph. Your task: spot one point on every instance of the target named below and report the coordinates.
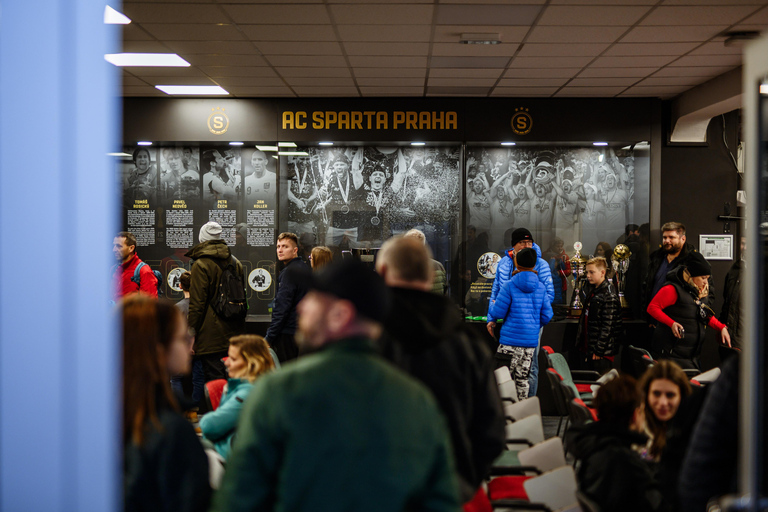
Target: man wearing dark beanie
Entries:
(524, 305)
(521, 239)
(682, 315)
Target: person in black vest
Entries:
(682, 314)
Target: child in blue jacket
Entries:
(523, 304)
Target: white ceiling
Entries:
(350, 48)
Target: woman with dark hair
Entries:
(671, 408)
(682, 316)
(247, 359)
(165, 467)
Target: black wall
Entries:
(696, 181)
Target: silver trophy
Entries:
(621, 256)
(578, 270)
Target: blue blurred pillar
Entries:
(59, 365)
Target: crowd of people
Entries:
(369, 391)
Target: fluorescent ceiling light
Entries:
(266, 148)
(508, 143)
(196, 90)
(763, 88)
(325, 143)
(144, 143)
(293, 153)
(147, 59)
(286, 144)
(418, 143)
(121, 154)
(113, 17)
(235, 143)
(599, 143)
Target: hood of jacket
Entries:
(525, 281)
(433, 316)
(676, 276)
(592, 437)
(212, 249)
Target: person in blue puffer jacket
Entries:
(521, 239)
(248, 358)
(525, 306)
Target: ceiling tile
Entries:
(506, 2)
(461, 82)
(386, 48)
(532, 82)
(326, 91)
(298, 48)
(391, 82)
(638, 49)
(524, 92)
(313, 72)
(672, 34)
(225, 60)
(220, 71)
(137, 90)
(134, 32)
(382, 14)
(474, 50)
(604, 2)
(575, 34)
(562, 50)
(592, 15)
(541, 73)
(358, 61)
(322, 82)
(633, 72)
(688, 81)
(178, 80)
(583, 92)
(647, 62)
(688, 71)
(602, 82)
(468, 62)
(164, 71)
(717, 48)
(475, 91)
(305, 60)
(261, 91)
(550, 62)
(227, 47)
(288, 33)
(487, 14)
(464, 73)
(249, 81)
(708, 60)
(657, 90)
(390, 72)
(379, 1)
(452, 33)
(132, 80)
(146, 47)
(759, 18)
(162, 12)
(714, 2)
(278, 13)
(384, 33)
(744, 27)
(697, 15)
(193, 32)
(392, 91)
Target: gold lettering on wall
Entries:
(370, 120)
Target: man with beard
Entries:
(141, 183)
(425, 337)
(340, 429)
(673, 251)
(170, 177)
(260, 184)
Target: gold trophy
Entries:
(621, 256)
(578, 270)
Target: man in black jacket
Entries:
(424, 335)
(290, 290)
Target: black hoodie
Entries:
(609, 472)
(425, 336)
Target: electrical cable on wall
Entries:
(730, 154)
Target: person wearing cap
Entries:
(521, 239)
(340, 428)
(425, 336)
(211, 332)
(682, 315)
(524, 304)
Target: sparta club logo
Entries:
(218, 122)
(522, 122)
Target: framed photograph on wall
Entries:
(716, 247)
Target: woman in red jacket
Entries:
(682, 316)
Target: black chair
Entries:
(641, 360)
(561, 405)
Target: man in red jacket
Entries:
(124, 247)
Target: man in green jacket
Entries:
(211, 332)
(340, 428)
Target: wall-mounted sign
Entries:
(522, 122)
(369, 120)
(218, 122)
(716, 247)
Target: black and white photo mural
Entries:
(356, 197)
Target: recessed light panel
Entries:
(147, 60)
(196, 90)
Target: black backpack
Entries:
(230, 302)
